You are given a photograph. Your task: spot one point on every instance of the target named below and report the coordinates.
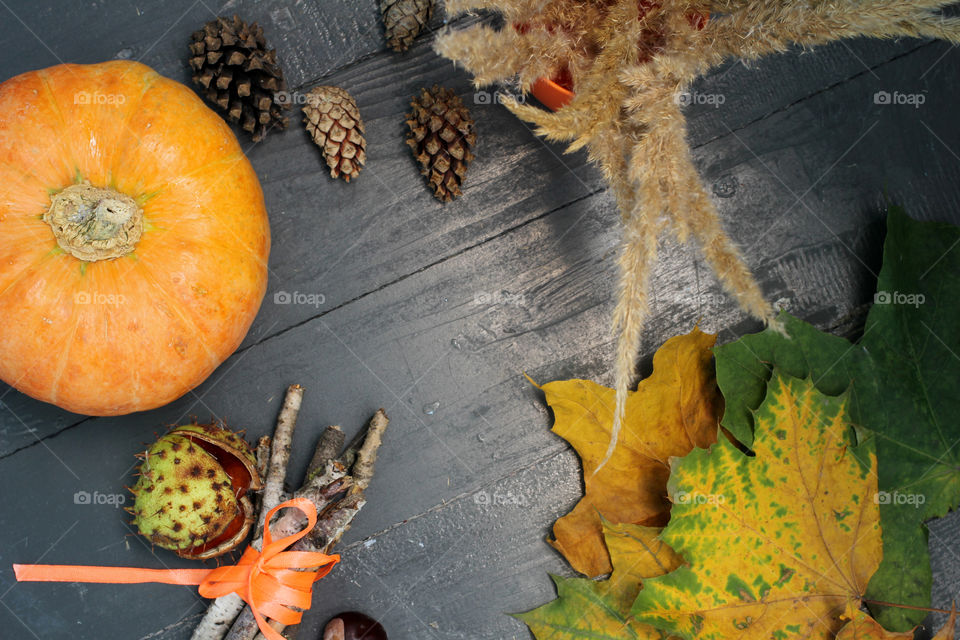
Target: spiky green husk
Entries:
(184, 498)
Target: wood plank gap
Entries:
(277, 334)
(562, 449)
(47, 437)
(460, 23)
(477, 245)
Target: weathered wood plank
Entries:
(335, 241)
(536, 298)
(944, 540)
(310, 37)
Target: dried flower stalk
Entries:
(630, 61)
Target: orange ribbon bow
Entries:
(275, 583)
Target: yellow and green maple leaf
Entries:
(779, 544)
(902, 377)
(600, 610)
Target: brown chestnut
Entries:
(353, 625)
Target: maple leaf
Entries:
(863, 627)
(947, 631)
(780, 543)
(913, 338)
(675, 409)
(596, 610)
(902, 377)
(796, 349)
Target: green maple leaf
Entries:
(799, 350)
(916, 352)
(780, 544)
(599, 610)
(902, 377)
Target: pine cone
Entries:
(441, 134)
(239, 74)
(333, 120)
(403, 20)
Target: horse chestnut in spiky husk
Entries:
(190, 496)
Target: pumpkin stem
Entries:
(94, 224)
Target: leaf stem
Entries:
(904, 606)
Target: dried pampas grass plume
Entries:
(630, 61)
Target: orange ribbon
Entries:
(271, 581)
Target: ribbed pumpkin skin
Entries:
(132, 333)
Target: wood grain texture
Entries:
(426, 304)
(386, 226)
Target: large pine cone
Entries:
(240, 75)
(403, 20)
(333, 120)
(441, 135)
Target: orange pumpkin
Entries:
(133, 238)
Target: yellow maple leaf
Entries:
(779, 544)
(601, 610)
(948, 629)
(863, 627)
(637, 553)
(674, 410)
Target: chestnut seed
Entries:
(353, 625)
(334, 630)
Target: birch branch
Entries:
(221, 613)
(338, 500)
(329, 446)
(279, 454)
(362, 470)
(273, 457)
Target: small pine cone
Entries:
(334, 122)
(441, 135)
(403, 20)
(239, 75)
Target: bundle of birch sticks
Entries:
(335, 483)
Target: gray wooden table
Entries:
(470, 478)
